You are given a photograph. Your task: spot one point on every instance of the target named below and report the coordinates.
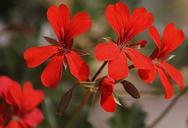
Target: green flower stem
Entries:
(85, 99)
(99, 71)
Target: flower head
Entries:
(172, 38)
(61, 52)
(19, 106)
(127, 26)
(65, 27)
(107, 101)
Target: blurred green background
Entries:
(23, 24)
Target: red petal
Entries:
(172, 38)
(118, 67)
(34, 118)
(139, 60)
(117, 15)
(52, 74)
(31, 97)
(14, 95)
(166, 83)
(147, 76)
(175, 74)
(108, 103)
(59, 18)
(5, 83)
(13, 124)
(154, 34)
(79, 24)
(138, 22)
(77, 66)
(37, 55)
(106, 51)
(107, 86)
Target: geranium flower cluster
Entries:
(18, 106)
(115, 53)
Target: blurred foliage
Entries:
(128, 117)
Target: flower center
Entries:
(156, 61)
(62, 50)
(122, 46)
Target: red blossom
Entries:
(107, 100)
(24, 102)
(65, 28)
(171, 39)
(127, 26)
(19, 107)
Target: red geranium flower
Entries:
(61, 52)
(23, 105)
(107, 100)
(127, 26)
(171, 39)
